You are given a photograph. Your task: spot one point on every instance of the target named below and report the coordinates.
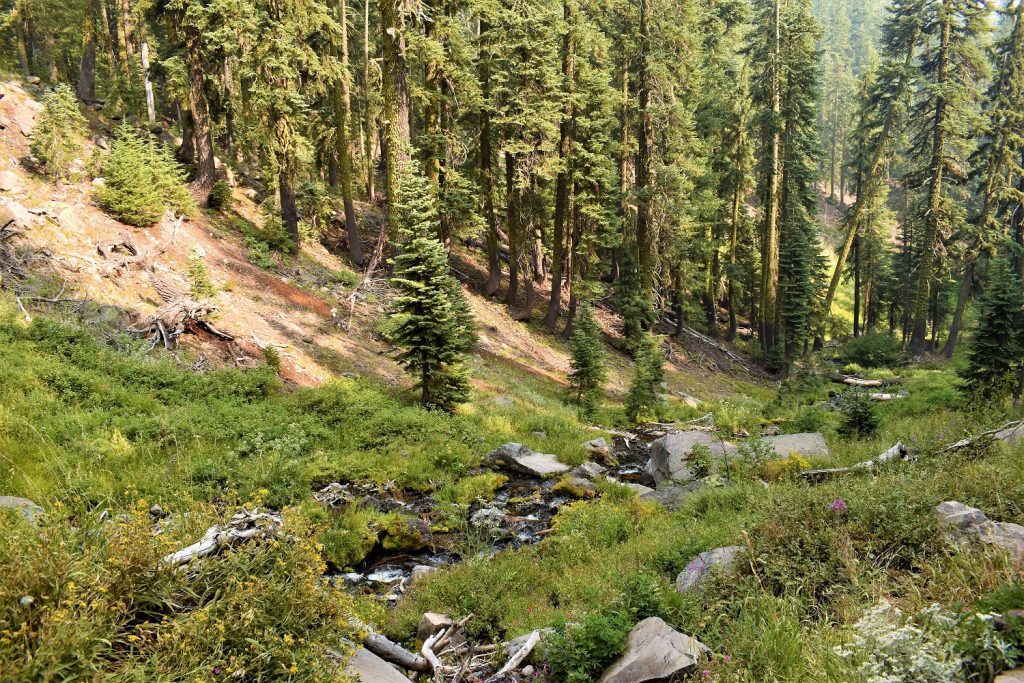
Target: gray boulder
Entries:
(671, 497)
(589, 470)
(9, 181)
(639, 489)
(16, 215)
(1012, 435)
(518, 458)
(655, 652)
(700, 567)
(366, 667)
(670, 455)
(598, 448)
(26, 507)
(808, 445)
(965, 524)
(1015, 676)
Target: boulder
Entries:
(25, 121)
(420, 571)
(598, 448)
(431, 623)
(808, 445)
(655, 652)
(670, 453)
(26, 507)
(589, 470)
(1015, 676)
(366, 667)
(575, 487)
(406, 535)
(9, 181)
(719, 560)
(1012, 435)
(488, 517)
(671, 497)
(965, 524)
(518, 458)
(639, 489)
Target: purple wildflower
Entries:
(838, 505)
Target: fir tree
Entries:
(997, 352)
(57, 135)
(141, 180)
(587, 360)
(644, 396)
(433, 325)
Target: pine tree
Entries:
(587, 360)
(997, 351)
(58, 134)
(141, 180)
(644, 396)
(433, 325)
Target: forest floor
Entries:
(134, 452)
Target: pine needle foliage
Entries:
(57, 138)
(433, 324)
(996, 365)
(141, 181)
(644, 396)
(589, 372)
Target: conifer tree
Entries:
(997, 351)
(58, 134)
(644, 395)
(433, 325)
(141, 180)
(587, 360)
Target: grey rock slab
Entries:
(952, 513)
(655, 652)
(518, 458)
(809, 444)
(966, 523)
(431, 623)
(671, 497)
(366, 667)
(1015, 676)
(589, 470)
(718, 560)
(1005, 535)
(9, 181)
(670, 455)
(26, 507)
(1011, 436)
(639, 489)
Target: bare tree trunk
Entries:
(147, 83)
(487, 175)
(644, 168)
(342, 152)
(512, 221)
(19, 30)
(368, 132)
(204, 171)
(770, 240)
(86, 88)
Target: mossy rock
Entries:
(403, 534)
(576, 487)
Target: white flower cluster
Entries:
(890, 648)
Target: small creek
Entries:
(520, 514)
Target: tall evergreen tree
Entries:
(433, 326)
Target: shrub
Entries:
(700, 461)
(141, 181)
(874, 350)
(859, 416)
(785, 468)
(199, 284)
(579, 652)
(220, 196)
(58, 134)
(259, 252)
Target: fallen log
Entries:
(519, 656)
(1011, 431)
(887, 397)
(389, 650)
(244, 526)
(853, 381)
(898, 451)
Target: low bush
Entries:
(876, 350)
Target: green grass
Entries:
(97, 435)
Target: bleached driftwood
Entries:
(244, 526)
(1009, 431)
(517, 659)
(428, 653)
(886, 397)
(899, 451)
(852, 381)
(389, 650)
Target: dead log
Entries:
(244, 526)
(887, 397)
(852, 381)
(898, 451)
(517, 659)
(390, 651)
(123, 243)
(1011, 431)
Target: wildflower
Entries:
(707, 674)
(728, 658)
(838, 505)
(216, 671)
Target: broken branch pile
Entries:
(244, 526)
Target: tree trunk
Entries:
(147, 83)
(512, 221)
(86, 87)
(856, 286)
(204, 171)
(342, 152)
(19, 30)
(644, 169)
(395, 115)
(487, 176)
(433, 141)
(368, 131)
(770, 239)
(926, 266)
(289, 208)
